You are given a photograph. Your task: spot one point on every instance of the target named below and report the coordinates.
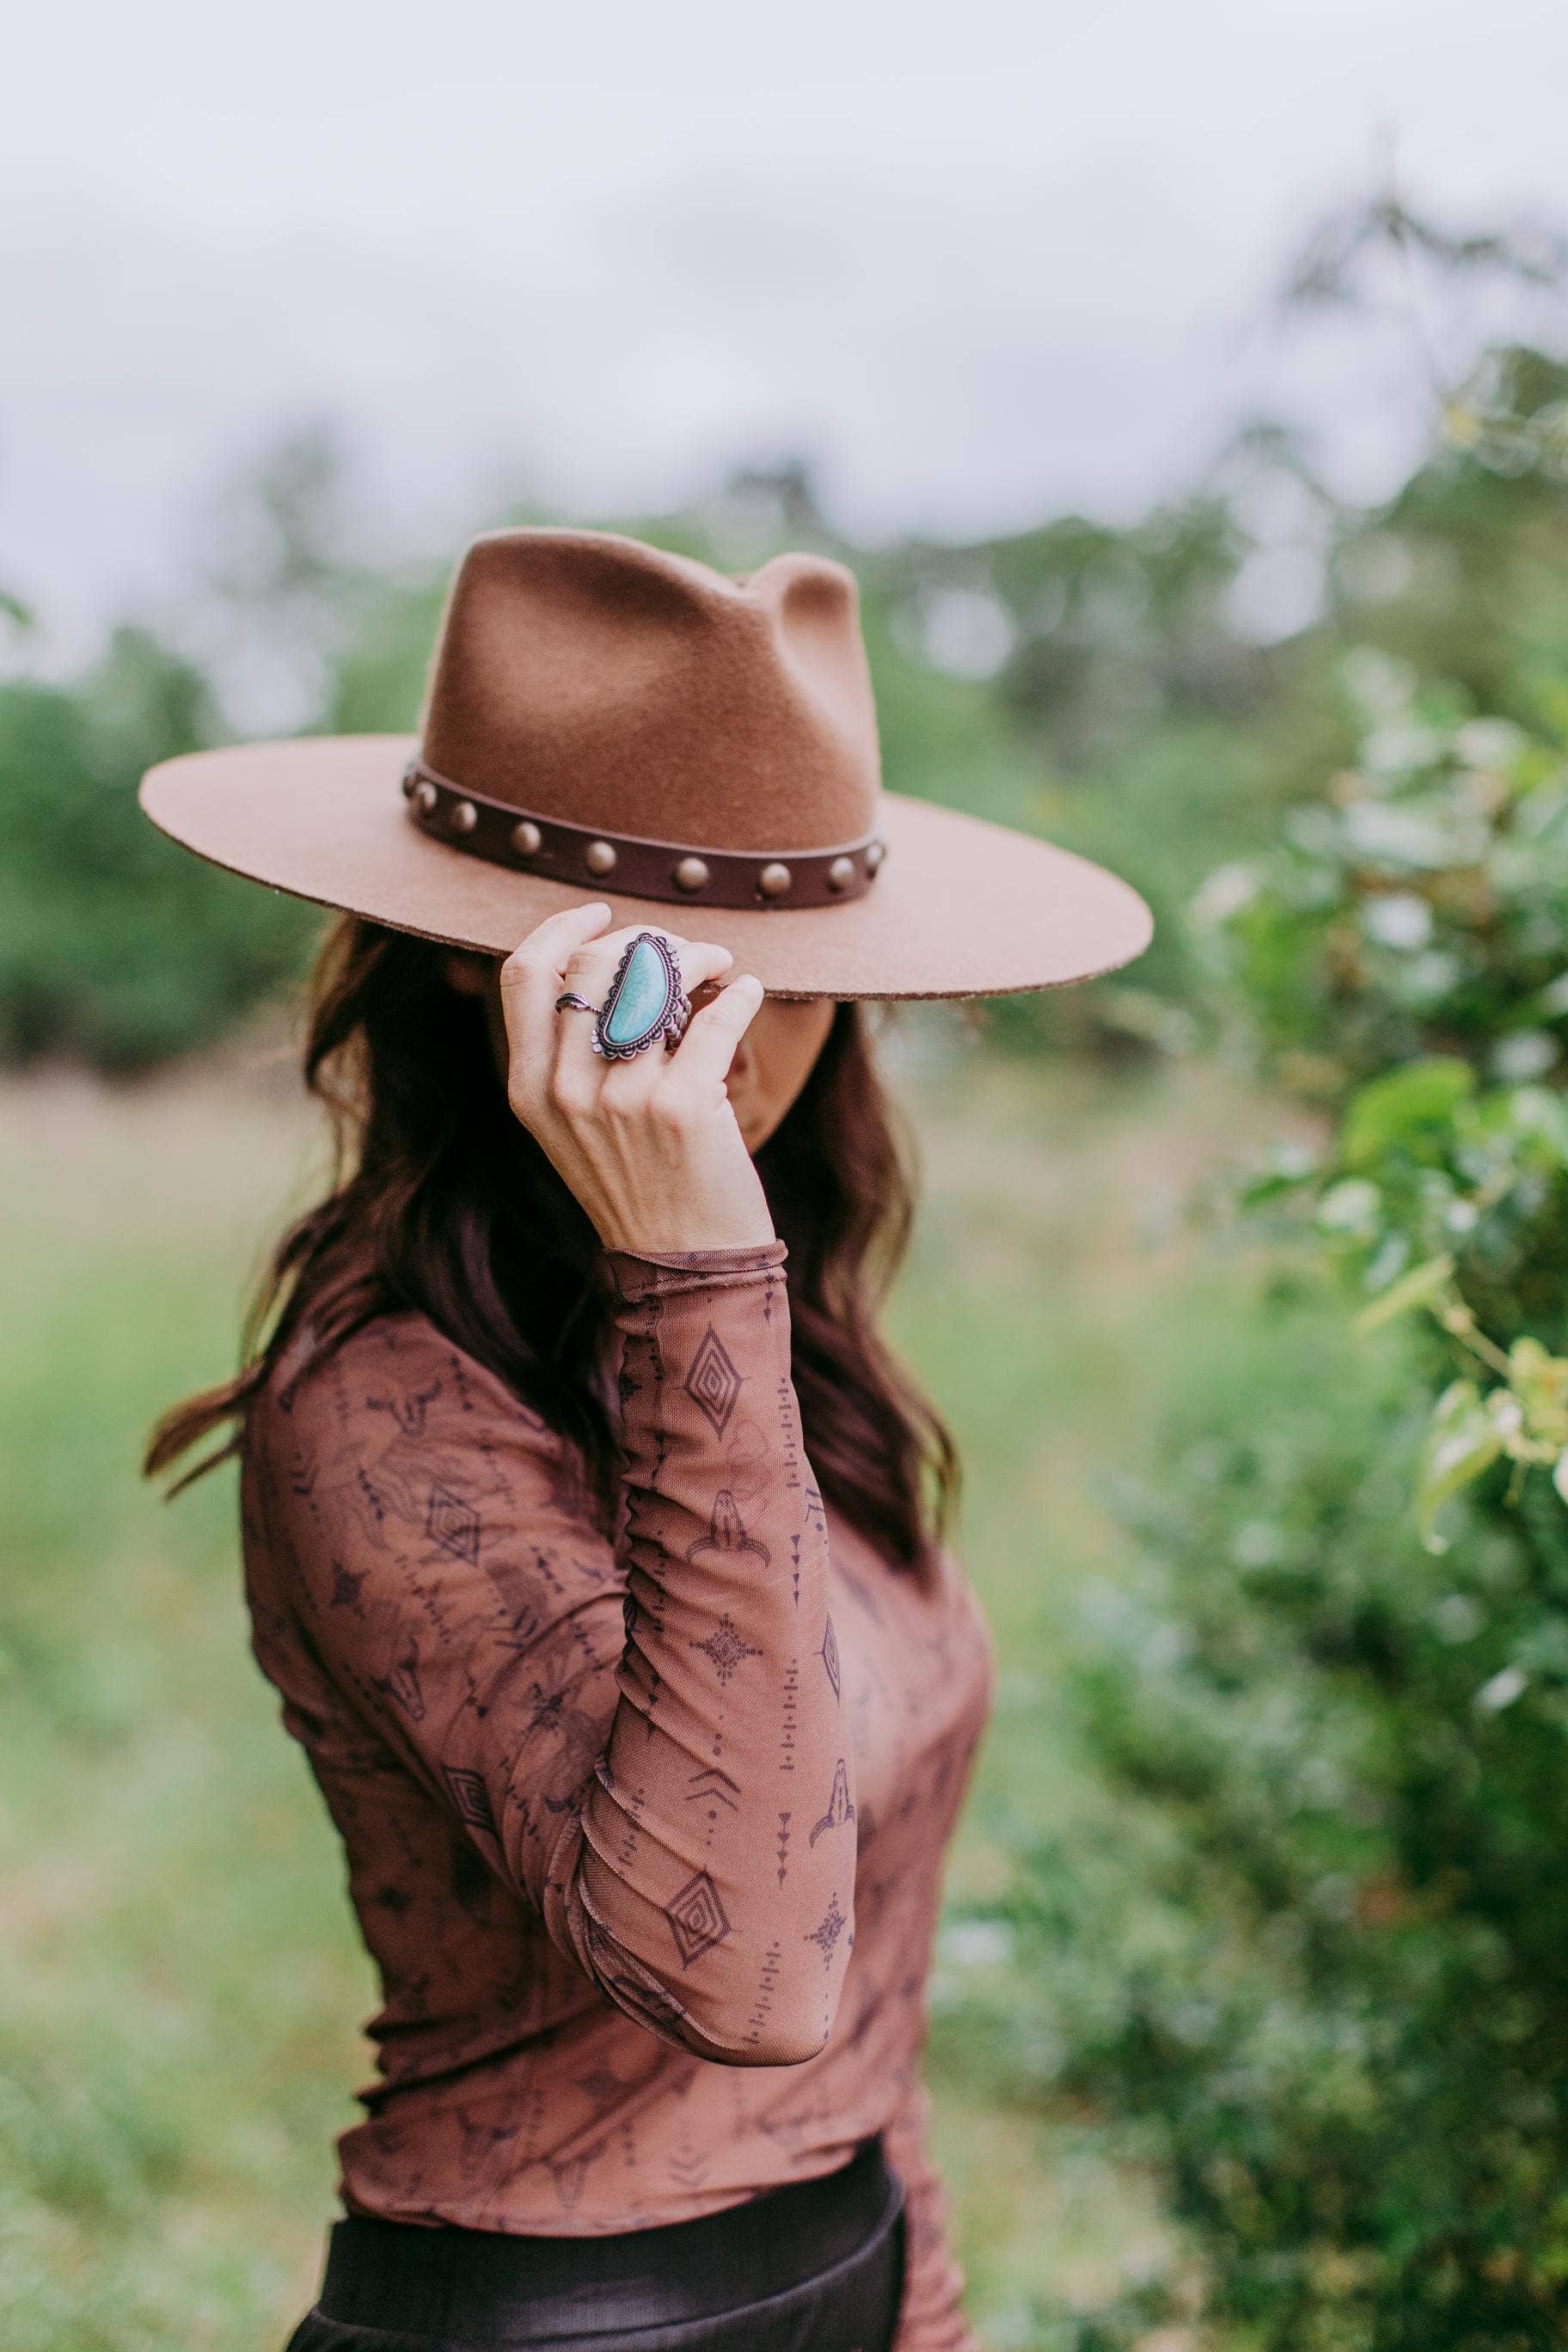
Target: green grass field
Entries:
(180, 1988)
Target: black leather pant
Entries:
(813, 2267)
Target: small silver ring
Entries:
(679, 1022)
(571, 1000)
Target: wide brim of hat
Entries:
(960, 908)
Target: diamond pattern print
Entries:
(727, 1648)
(452, 1523)
(471, 1796)
(697, 1919)
(712, 1381)
(833, 1926)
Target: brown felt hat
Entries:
(606, 720)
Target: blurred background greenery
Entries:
(1243, 1277)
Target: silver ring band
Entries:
(679, 1021)
(571, 1000)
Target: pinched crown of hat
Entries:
(600, 708)
(607, 719)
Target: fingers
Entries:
(707, 1048)
(551, 1055)
(541, 960)
(591, 971)
(531, 978)
(591, 967)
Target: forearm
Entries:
(712, 1874)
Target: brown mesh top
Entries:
(644, 1836)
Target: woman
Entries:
(592, 1540)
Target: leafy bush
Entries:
(1316, 1963)
(1412, 936)
(116, 948)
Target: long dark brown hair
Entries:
(441, 1201)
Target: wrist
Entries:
(638, 1274)
(641, 1240)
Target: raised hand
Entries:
(649, 1145)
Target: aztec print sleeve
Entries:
(618, 1727)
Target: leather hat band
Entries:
(623, 862)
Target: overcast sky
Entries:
(977, 262)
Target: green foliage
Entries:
(1321, 1974)
(1424, 907)
(1420, 906)
(117, 948)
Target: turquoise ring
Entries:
(645, 1001)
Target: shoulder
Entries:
(398, 1423)
(396, 1371)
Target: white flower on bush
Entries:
(1501, 1691)
(1260, 1543)
(1490, 743)
(1528, 1053)
(1394, 750)
(1428, 979)
(1223, 894)
(1398, 918)
(1456, 1617)
(1405, 837)
(1380, 683)
(1351, 1207)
